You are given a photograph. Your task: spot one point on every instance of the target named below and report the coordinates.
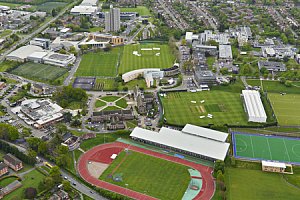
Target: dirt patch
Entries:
(96, 168)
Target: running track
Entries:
(206, 193)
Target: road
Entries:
(37, 31)
(68, 80)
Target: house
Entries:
(3, 169)
(108, 115)
(272, 66)
(278, 167)
(13, 162)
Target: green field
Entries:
(110, 98)
(274, 86)
(267, 148)
(286, 108)
(99, 63)
(254, 184)
(148, 59)
(6, 181)
(49, 6)
(142, 10)
(146, 174)
(105, 84)
(226, 108)
(99, 104)
(32, 179)
(122, 103)
(39, 72)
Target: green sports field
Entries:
(226, 108)
(39, 72)
(148, 59)
(266, 148)
(99, 64)
(286, 108)
(247, 184)
(146, 174)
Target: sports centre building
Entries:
(191, 140)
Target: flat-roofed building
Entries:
(23, 52)
(272, 66)
(41, 42)
(269, 166)
(205, 132)
(225, 52)
(37, 57)
(84, 10)
(254, 106)
(99, 37)
(89, 3)
(179, 141)
(62, 60)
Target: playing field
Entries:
(49, 6)
(181, 108)
(99, 64)
(258, 147)
(286, 108)
(251, 184)
(39, 72)
(145, 58)
(149, 175)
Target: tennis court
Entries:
(262, 147)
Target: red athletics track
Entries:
(206, 192)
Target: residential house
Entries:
(13, 162)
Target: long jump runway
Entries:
(206, 193)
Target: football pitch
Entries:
(149, 175)
(259, 147)
(159, 58)
(181, 108)
(99, 64)
(39, 72)
(286, 108)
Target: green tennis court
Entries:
(259, 147)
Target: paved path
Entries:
(206, 192)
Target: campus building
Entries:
(269, 166)
(192, 140)
(13, 162)
(62, 60)
(41, 42)
(272, 66)
(106, 38)
(23, 52)
(254, 106)
(3, 169)
(112, 20)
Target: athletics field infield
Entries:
(266, 147)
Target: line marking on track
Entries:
(269, 148)
(286, 150)
(252, 146)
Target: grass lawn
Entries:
(131, 124)
(105, 84)
(254, 184)
(5, 32)
(131, 84)
(226, 108)
(286, 108)
(5, 65)
(11, 5)
(146, 174)
(77, 154)
(142, 10)
(39, 72)
(99, 64)
(103, 138)
(99, 104)
(49, 6)
(148, 59)
(122, 103)
(274, 86)
(210, 61)
(6, 181)
(32, 179)
(110, 98)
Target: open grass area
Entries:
(39, 72)
(274, 86)
(32, 179)
(99, 104)
(6, 181)
(5, 65)
(132, 84)
(49, 6)
(254, 184)
(286, 108)
(148, 58)
(226, 108)
(260, 147)
(110, 98)
(122, 103)
(105, 84)
(146, 174)
(99, 64)
(142, 10)
(103, 138)
(11, 5)
(131, 124)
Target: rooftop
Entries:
(24, 51)
(205, 132)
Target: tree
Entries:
(220, 176)
(54, 12)
(42, 148)
(55, 174)
(30, 193)
(224, 70)
(219, 165)
(183, 42)
(32, 154)
(67, 185)
(288, 83)
(33, 142)
(8, 132)
(67, 117)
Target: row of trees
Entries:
(67, 95)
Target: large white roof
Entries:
(205, 132)
(254, 105)
(186, 142)
(89, 2)
(273, 164)
(225, 51)
(189, 35)
(24, 51)
(84, 9)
